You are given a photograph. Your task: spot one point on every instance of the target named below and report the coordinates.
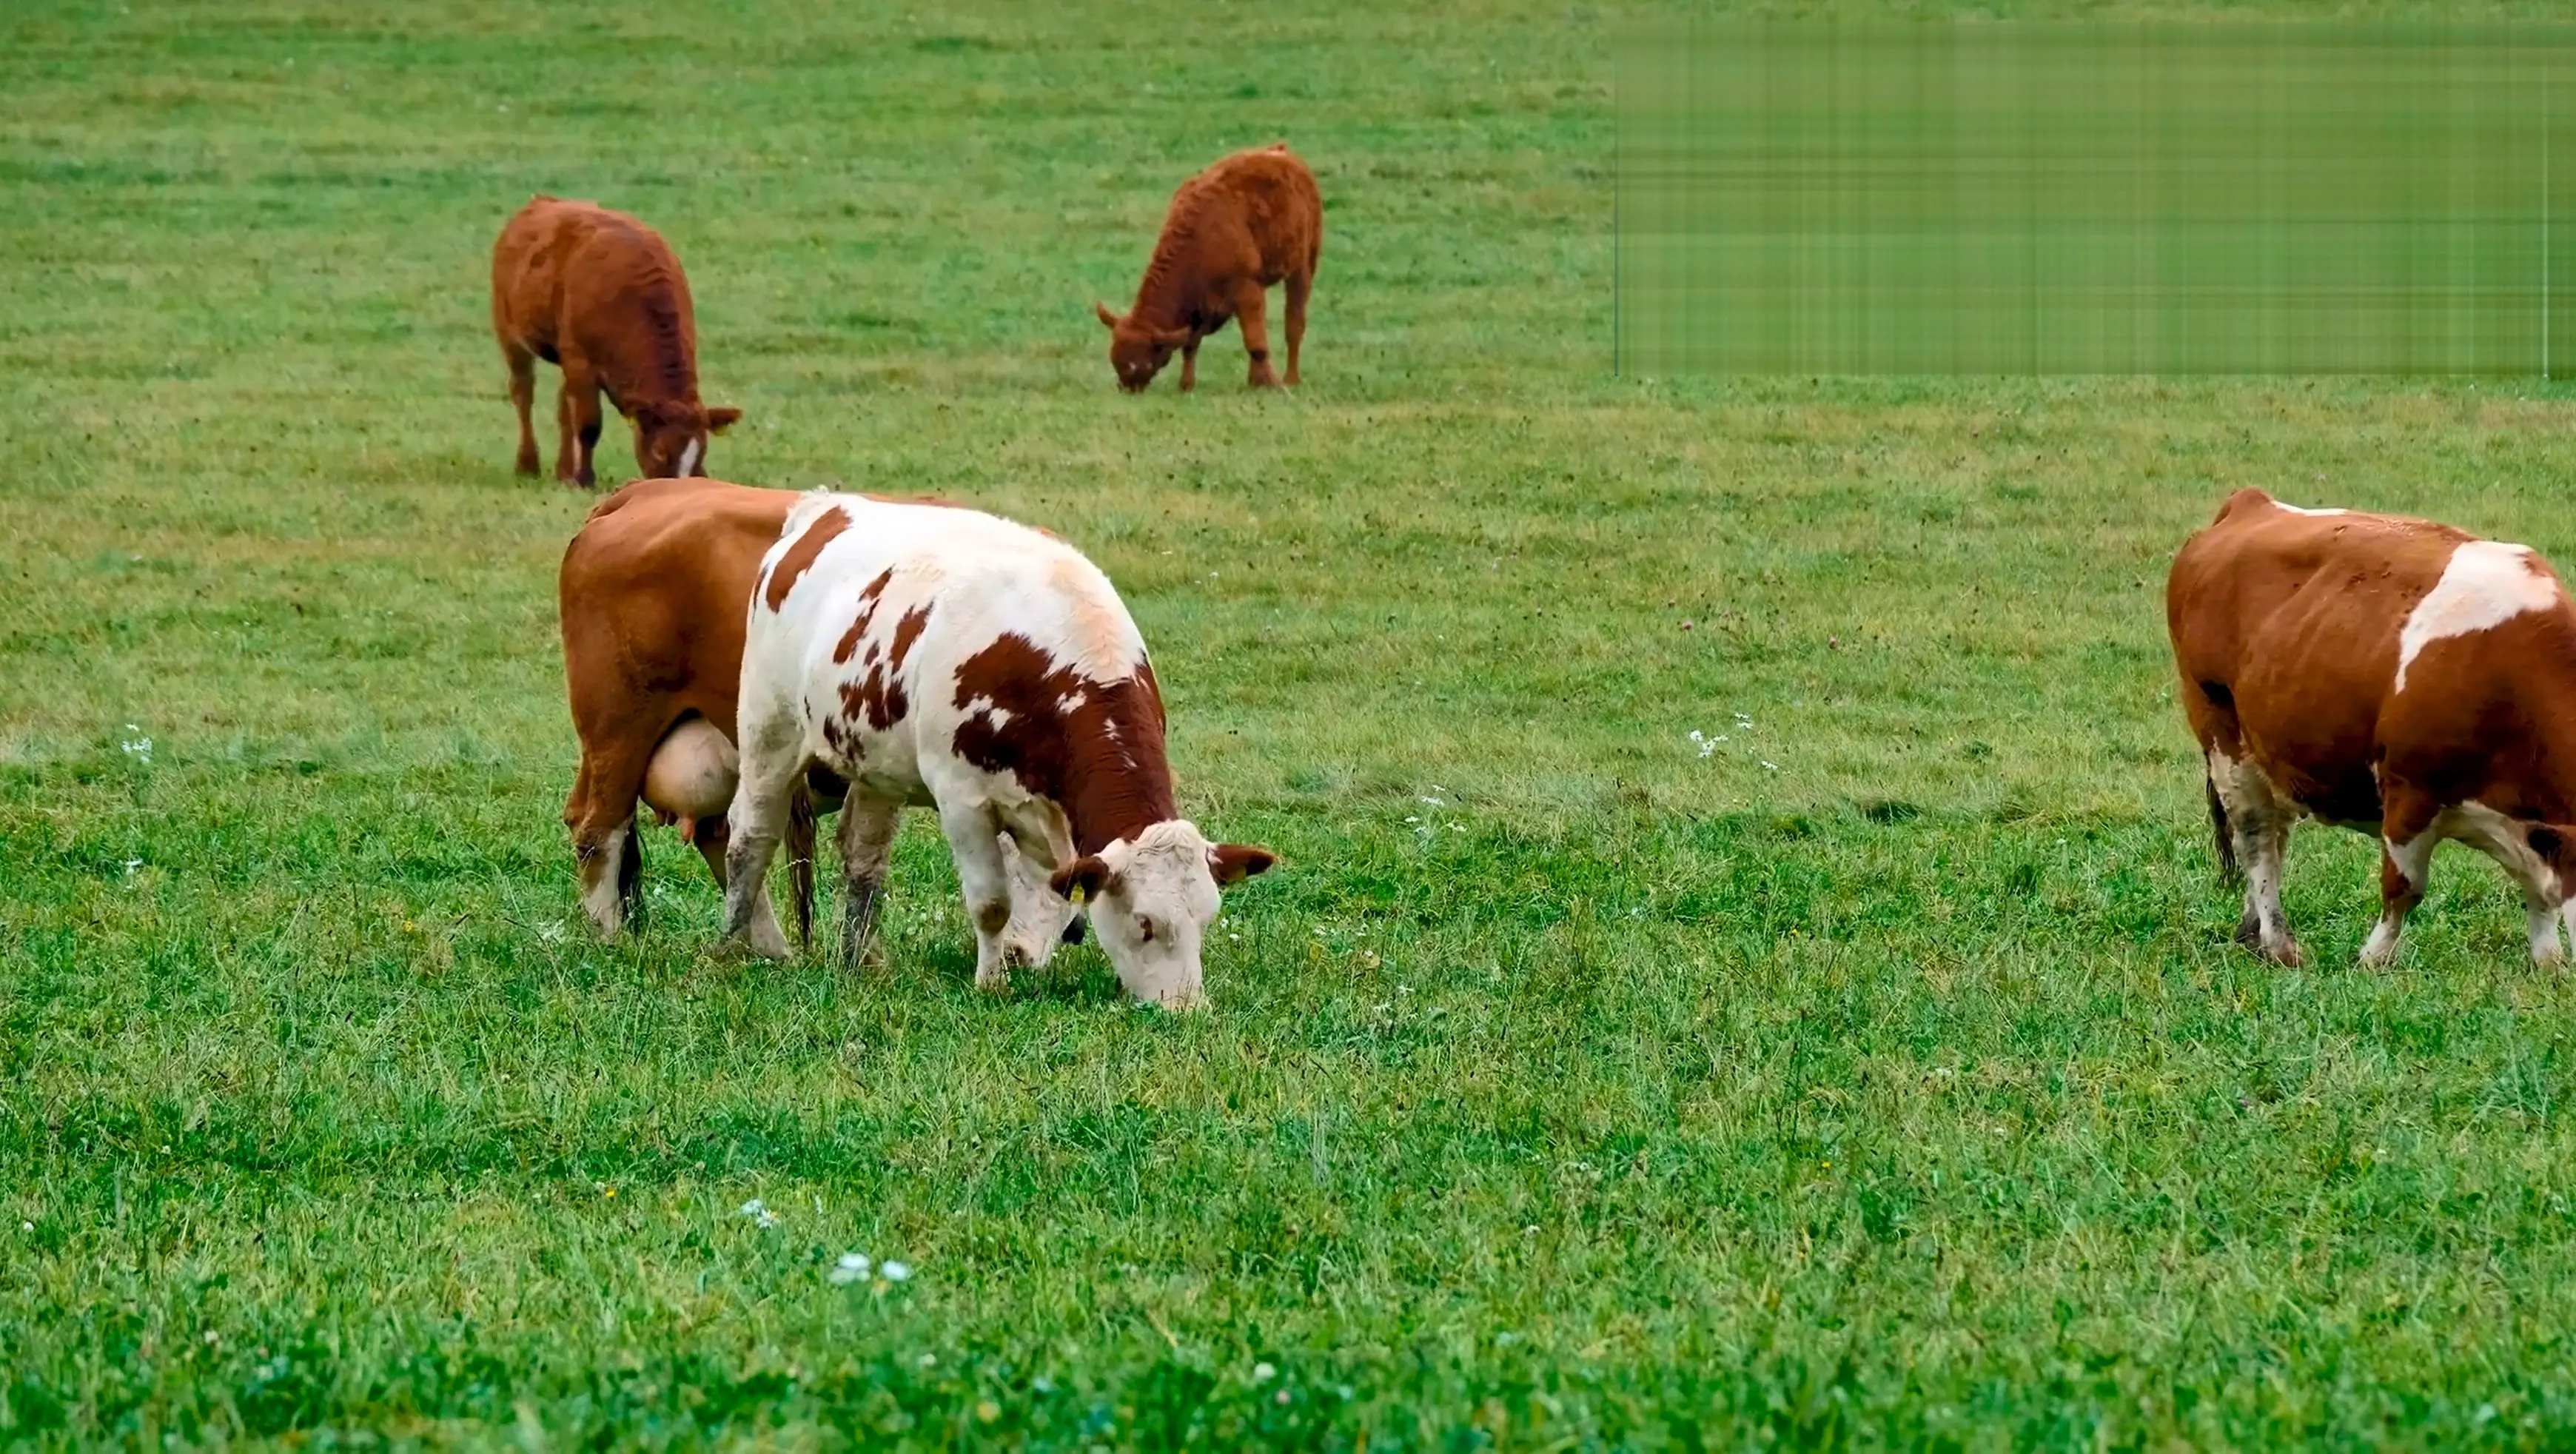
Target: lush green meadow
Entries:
(1870, 1068)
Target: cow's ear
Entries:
(1232, 863)
(1108, 319)
(720, 420)
(1087, 874)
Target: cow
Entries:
(1249, 222)
(945, 658)
(653, 595)
(600, 294)
(2382, 673)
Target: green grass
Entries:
(1880, 1076)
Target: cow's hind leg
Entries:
(2258, 821)
(867, 847)
(606, 848)
(523, 398)
(2406, 844)
(754, 825)
(974, 842)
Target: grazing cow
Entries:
(2386, 674)
(654, 593)
(600, 294)
(1250, 221)
(945, 658)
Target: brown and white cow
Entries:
(2387, 674)
(940, 657)
(653, 594)
(1251, 221)
(600, 294)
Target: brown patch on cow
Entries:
(1093, 748)
(800, 556)
(878, 696)
(866, 618)
(907, 631)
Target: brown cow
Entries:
(2385, 674)
(653, 593)
(600, 294)
(1252, 220)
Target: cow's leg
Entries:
(1299, 285)
(2406, 844)
(711, 837)
(579, 414)
(754, 824)
(867, 847)
(523, 398)
(2259, 821)
(1248, 315)
(1190, 364)
(606, 848)
(974, 843)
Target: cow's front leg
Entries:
(867, 846)
(753, 826)
(974, 842)
(1190, 364)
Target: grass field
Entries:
(1870, 1069)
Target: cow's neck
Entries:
(666, 372)
(1117, 782)
(1164, 299)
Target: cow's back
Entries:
(653, 592)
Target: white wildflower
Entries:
(760, 1213)
(852, 1267)
(893, 1271)
(1263, 1373)
(1431, 802)
(1771, 766)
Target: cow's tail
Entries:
(2230, 872)
(800, 859)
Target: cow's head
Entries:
(671, 437)
(1137, 350)
(1041, 916)
(1151, 900)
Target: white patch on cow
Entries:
(2486, 584)
(689, 458)
(1070, 703)
(2302, 510)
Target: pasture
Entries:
(1746, 964)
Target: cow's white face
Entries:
(1151, 902)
